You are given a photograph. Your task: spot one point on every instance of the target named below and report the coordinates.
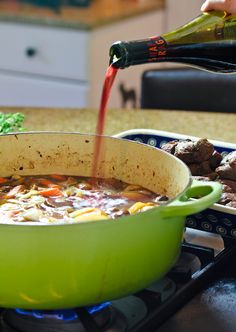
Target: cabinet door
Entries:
(51, 52)
(26, 91)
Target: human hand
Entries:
(224, 5)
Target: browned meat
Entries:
(229, 158)
(200, 169)
(58, 202)
(184, 151)
(170, 147)
(204, 150)
(215, 160)
(207, 164)
(228, 186)
(194, 152)
(232, 204)
(227, 171)
(227, 197)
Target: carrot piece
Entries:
(45, 182)
(55, 186)
(3, 180)
(58, 177)
(50, 192)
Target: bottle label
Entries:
(156, 48)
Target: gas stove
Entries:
(198, 293)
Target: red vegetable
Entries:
(53, 191)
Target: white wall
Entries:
(179, 12)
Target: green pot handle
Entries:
(209, 193)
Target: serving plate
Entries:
(216, 219)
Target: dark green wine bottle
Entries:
(207, 42)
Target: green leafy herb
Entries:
(10, 122)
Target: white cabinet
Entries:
(43, 67)
(20, 90)
(59, 67)
(44, 51)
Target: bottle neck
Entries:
(125, 54)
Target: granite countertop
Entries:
(218, 126)
(99, 13)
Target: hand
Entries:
(223, 5)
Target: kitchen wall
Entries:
(179, 12)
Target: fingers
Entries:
(221, 5)
(213, 5)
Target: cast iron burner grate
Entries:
(141, 312)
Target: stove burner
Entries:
(66, 315)
(103, 318)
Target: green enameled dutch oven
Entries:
(52, 266)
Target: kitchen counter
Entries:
(99, 13)
(219, 126)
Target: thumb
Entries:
(221, 5)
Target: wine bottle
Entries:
(207, 42)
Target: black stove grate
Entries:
(210, 269)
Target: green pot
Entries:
(52, 266)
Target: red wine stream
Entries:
(108, 82)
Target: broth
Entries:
(55, 198)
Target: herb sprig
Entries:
(10, 122)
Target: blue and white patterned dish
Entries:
(216, 219)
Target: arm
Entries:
(222, 5)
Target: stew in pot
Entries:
(55, 198)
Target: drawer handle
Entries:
(30, 52)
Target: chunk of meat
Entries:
(170, 147)
(200, 169)
(228, 186)
(229, 158)
(227, 197)
(215, 160)
(194, 152)
(227, 171)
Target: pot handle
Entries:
(209, 193)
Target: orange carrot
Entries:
(50, 192)
(58, 177)
(53, 185)
(45, 182)
(3, 180)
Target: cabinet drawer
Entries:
(35, 92)
(44, 51)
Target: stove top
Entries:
(198, 293)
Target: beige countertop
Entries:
(99, 13)
(218, 126)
